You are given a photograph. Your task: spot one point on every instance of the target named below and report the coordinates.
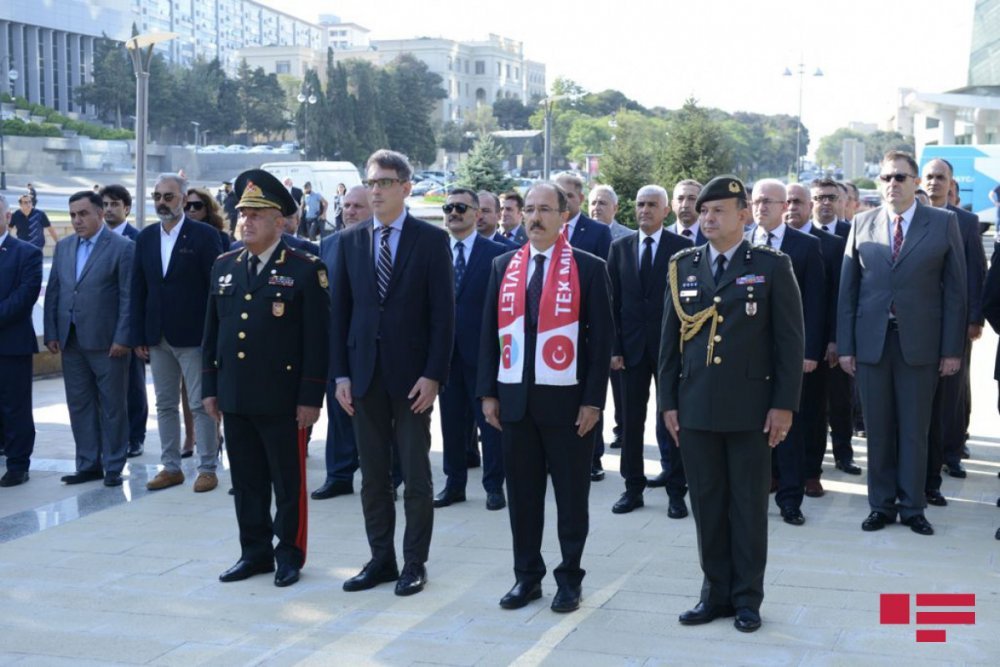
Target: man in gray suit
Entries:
(901, 325)
(86, 318)
(603, 207)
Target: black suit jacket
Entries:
(832, 246)
(172, 306)
(469, 297)
(20, 283)
(413, 330)
(975, 261)
(991, 302)
(297, 195)
(510, 244)
(593, 350)
(638, 313)
(130, 232)
(591, 236)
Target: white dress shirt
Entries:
(167, 242)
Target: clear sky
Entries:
(726, 54)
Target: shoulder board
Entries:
(228, 254)
(767, 249)
(684, 253)
(301, 254)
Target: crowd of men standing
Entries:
(766, 321)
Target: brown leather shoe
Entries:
(164, 480)
(206, 481)
(813, 488)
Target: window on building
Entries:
(449, 63)
(498, 69)
(283, 67)
(466, 65)
(480, 67)
(517, 73)
(508, 71)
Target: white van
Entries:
(324, 176)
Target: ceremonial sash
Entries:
(556, 348)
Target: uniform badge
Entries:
(281, 281)
(278, 308)
(323, 282)
(751, 308)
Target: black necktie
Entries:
(646, 264)
(459, 262)
(254, 265)
(535, 291)
(720, 268)
(687, 233)
(770, 239)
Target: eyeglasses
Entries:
(194, 206)
(899, 178)
(381, 182)
(167, 196)
(764, 201)
(829, 198)
(541, 210)
(458, 206)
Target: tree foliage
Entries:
(482, 168)
(112, 90)
(831, 146)
(697, 147)
(511, 114)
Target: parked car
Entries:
(236, 148)
(212, 148)
(424, 186)
(262, 148)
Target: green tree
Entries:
(511, 114)
(482, 168)
(409, 92)
(310, 119)
(339, 116)
(697, 147)
(362, 84)
(831, 146)
(880, 142)
(260, 101)
(630, 161)
(112, 89)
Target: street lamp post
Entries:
(547, 151)
(140, 48)
(11, 78)
(798, 124)
(306, 97)
(196, 126)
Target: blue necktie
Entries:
(459, 262)
(82, 255)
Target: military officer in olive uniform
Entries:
(730, 373)
(265, 365)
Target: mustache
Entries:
(537, 225)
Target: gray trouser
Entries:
(168, 365)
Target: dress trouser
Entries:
(812, 418)
(380, 420)
(138, 405)
(15, 411)
(949, 424)
(840, 387)
(461, 413)
(729, 475)
(265, 453)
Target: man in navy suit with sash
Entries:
(170, 283)
(460, 411)
(20, 283)
(638, 268)
(391, 342)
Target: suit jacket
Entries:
(520, 236)
(130, 232)
(592, 236)
(296, 242)
(700, 238)
(832, 246)
(594, 343)
(807, 264)
(413, 330)
(297, 195)
(991, 302)
(469, 295)
(975, 261)
(841, 228)
(756, 362)
(638, 313)
(172, 306)
(927, 285)
(98, 303)
(20, 284)
(507, 243)
(619, 230)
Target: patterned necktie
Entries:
(646, 264)
(83, 255)
(720, 268)
(535, 291)
(383, 271)
(897, 238)
(254, 266)
(459, 262)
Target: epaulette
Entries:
(767, 248)
(683, 253)
(301, 254)
(229, 253)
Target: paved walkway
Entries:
(99, 576)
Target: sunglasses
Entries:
(194, 206)
(899, 178)
(461, 208)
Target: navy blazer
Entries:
(469, 296)
(296, 242)
(328, 253)
(130, 232)
(591, 236)
(519, 237)
(832, 246)
(975, 261)
(807, 263)
(700, 239)
(509, 244)
(20, 284)
(172, 306)
(413, 329)
(638, 314)
(991, 302)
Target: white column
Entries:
(88, 65)
(17, 39)
(4, 60)
(946, 118)
(75, 78)
(61, 67)
(30, 71)
(48, 87)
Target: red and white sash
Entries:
(556, 348)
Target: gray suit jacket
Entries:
(98, 303)
(926, 285)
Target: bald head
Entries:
(355, 205)
(769, 205)
(799, 205)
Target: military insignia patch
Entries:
(323, 281)
(281, 281)
(751, 308)
(751, 280)
(278, 308)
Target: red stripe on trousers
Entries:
(302, 535)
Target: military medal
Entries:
(751, 308)
(278, 308)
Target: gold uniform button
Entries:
(242, 335)
(241, 355)
(718, 339)
(717, 299)
(721, 319)
(245, 316)
(288, 368)
(716, 361)
(247, 297)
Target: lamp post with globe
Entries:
(307, 98)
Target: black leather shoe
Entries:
(955, 469)
(232, 492)
(616, 443)
(935, 498)
(849, 467)
(658, 481)
(371, 575)
(449, 497)
(793, 515)
(747, 620)
(14, 478)
(596, 472)
(286, 576)
(677, 508)
(495, 500)
(965, 452)
(333, 488)
(135, 449)
(81, 477)
(412, 579)
(705, 613)
(567, 599)
(918, 524)
(629, 501)
(521, 594)
(112, 479)
(876, 521)
(244, 569)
